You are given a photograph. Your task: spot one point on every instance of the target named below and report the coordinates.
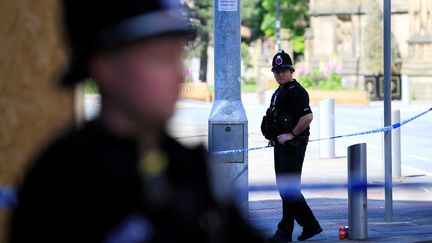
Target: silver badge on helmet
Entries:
(278, 60)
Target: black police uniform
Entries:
(93, 186)
(292, 100)
(288, 104)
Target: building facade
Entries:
(339, 29)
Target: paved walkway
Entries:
(412, 219)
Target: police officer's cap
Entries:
(98, 25)
(281, 62)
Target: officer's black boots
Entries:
(280, 237)
(307, 234)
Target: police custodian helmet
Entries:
(98, 25)
(281, 62)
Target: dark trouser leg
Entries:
(303, 214)
(288, 167)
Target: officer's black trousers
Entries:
(288, 166)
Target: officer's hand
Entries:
(271, 143)
(285, 137)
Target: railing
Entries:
(196, 91)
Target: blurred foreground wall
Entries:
(32, 107)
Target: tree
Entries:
(201, 12)
(293, 16)
(373, 45)
(373, 41)
(252, 15)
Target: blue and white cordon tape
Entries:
(379, 130)
(7, 197)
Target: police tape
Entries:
(8, 194)
(379, 130)
(234, 151)
(332, 186)
(7, 197)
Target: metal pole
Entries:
(278, 40)
(228, 125)
(396, 146)
(387, 113)
(406, 92)
(327, 128)
(357, 192)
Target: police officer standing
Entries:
(120, 178)
(286, 125)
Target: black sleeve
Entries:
(40, 213)
(236, 228)
(301, 103)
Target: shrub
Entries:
(327, 78)
(317, 80)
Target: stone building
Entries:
(338, 29)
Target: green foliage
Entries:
(293, 16)
(201, 13)
(299, 43)
(248, 87)
(251, 15)
(317, 80)
(90, 87)
(245, 57)
(251, 80)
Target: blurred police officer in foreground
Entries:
(120, 178)
(286, 125)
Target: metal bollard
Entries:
(406, 92)
(327, 128)
(357, 192)
(396, 146)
